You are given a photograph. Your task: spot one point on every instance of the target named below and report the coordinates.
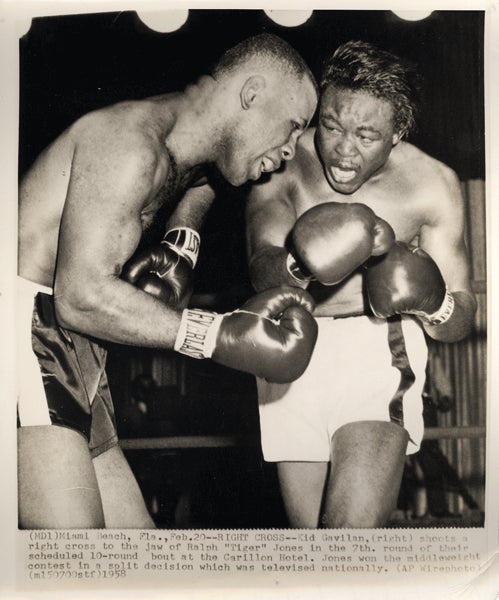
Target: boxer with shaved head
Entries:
(328, 222)
(83, 207)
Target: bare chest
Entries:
(400, 207)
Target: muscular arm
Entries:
(192, 209)
(270, 216)
(443, 238)
(100, 229)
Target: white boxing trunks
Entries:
(362, 369)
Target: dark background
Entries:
(73, 64)
(70, 65)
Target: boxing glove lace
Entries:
(271, 336)
(333, 239)
(165, 270)
(407, 280)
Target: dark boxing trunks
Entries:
(72, 368)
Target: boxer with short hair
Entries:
(327, 222)
(83, 207)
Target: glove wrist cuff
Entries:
(295, 271)
(185, 242)
(444, 313)
(197, 334)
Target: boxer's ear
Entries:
(396, 137)
(251, 90)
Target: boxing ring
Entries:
(460, 432)
(454, 439)
(178, 442)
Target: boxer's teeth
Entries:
(342, 175)
(267, 165)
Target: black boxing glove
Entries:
(165, 269)
(333, 239)
(407, 280)
(271, 336)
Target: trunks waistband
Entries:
(26, 286)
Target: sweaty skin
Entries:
(356, 156)
(89, 196)
(417, 195)
(117, 152)
(83, 207)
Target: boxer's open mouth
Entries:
(342, 175)
(268, 165)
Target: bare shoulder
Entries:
(132, 126)
(126, 138)
(434, 183)
(424, 168)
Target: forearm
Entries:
(272, 336)
(460, 322)
(268, 268)
(117, 312)
(192, 209)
